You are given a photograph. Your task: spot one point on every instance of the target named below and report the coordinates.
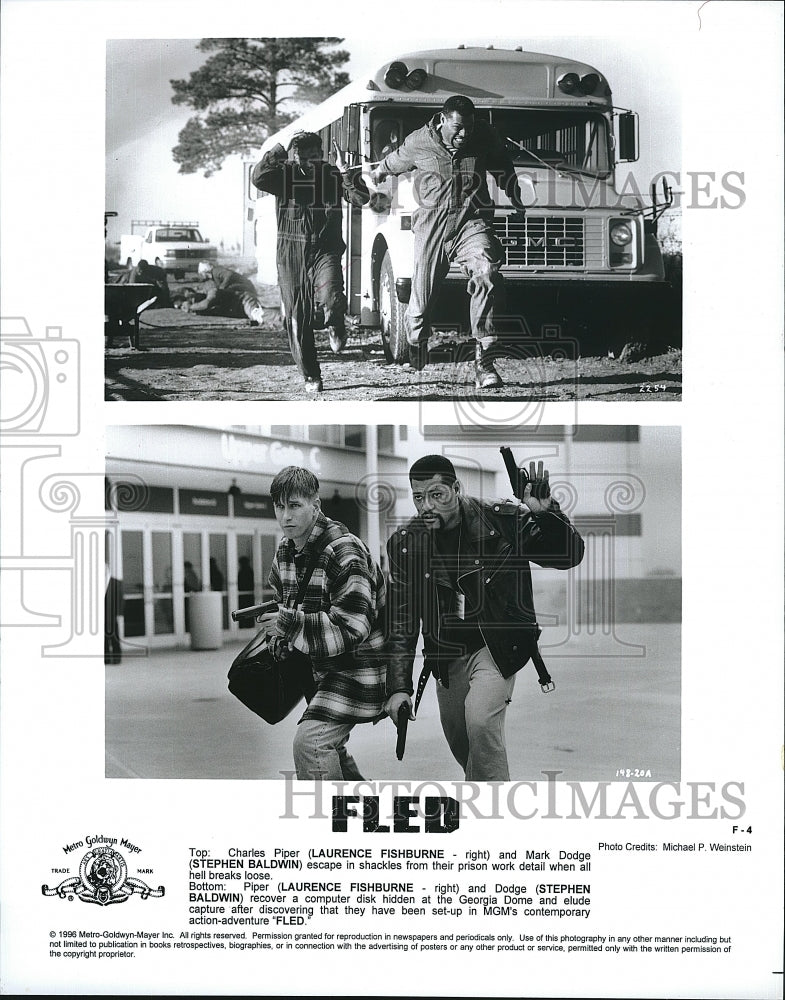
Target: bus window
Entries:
(388, 133)
(576, 139)
(386, 137)
(405, 121)
(336, 135)
(327, 135)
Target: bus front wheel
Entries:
(392, 315)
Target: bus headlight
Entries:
(621, 249)
(621, 234)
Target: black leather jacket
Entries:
(497, 542)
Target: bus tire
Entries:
(392, 316)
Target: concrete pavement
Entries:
(170, 715)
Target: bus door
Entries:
(349, 140)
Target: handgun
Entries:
(255, 610)
(401, 725)
(519, 478)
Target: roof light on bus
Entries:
(396, 74)
(568, 83)
(589, 83)
(415, 79)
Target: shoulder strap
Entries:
(320, 546)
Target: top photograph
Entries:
(321, 218)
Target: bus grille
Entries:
(553, 241)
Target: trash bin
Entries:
(206, 620)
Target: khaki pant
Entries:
(479, 253)
(472, 711)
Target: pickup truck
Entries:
(176, 247)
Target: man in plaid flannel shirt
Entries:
(338, 625)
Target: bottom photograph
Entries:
(393, 602)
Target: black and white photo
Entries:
(569, 566)
(512, 227)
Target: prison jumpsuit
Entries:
(232, 295)
(453, 221)
(310, 245)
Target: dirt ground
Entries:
(183, 356)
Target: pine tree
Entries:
(249, 88)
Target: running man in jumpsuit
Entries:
(309, 193)
(454, 222)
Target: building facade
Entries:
(188, 509)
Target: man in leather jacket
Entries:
(459, 572)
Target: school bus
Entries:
(583, 246)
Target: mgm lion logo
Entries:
(103, 879)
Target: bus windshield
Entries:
(563, 139)
(574, 139)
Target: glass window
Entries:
(576, 139)
(133, 572)
(384, 438)
(354, 436)
(192, 561)
(163, 616)
(133, 583)
(162, 562)
(133, 616)
(325, 434)
(388, 132)
(218, 571)
(269, 548)
(217, 562)
(567, 139)
(245, 576)
(192, 569)
(294, 433)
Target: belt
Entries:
(547, 684)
